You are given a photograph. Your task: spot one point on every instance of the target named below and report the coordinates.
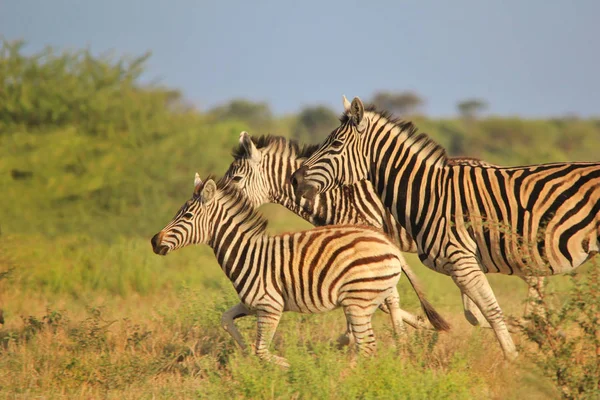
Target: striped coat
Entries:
(356, 268)
(261, 169)
(466, 220)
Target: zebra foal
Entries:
(356, 268)
(261, 170)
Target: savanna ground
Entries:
(92, 165)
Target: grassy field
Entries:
(87, 319)
(86, 179)
(90, 320)
(91, 312)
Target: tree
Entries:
(255, 114)
(313, 124)
(403, 103)
(470, 108)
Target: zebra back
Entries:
(530, 220)
(309, 271)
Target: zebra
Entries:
(261, 169)
(466, 220)
(353, 267)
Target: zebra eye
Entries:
(188, 215)
(337, 143)
(236, 179)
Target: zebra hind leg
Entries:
(235, 312)
(472, 313)
(535, 292)
(393, 303)
(347, 338)
(533, 308)
(360, 322)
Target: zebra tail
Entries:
(438, 322)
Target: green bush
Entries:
(568, 336)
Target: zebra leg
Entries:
(535, 292)
(267, 325)
(472, 281)
(360, 322)
(227, 323)
(393, 303)
(472, 313)
(410, 319)
(346, 338)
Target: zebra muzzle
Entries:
(157, 245)
(300, 186)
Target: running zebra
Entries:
(261, 170)
(347, 266)
(467, 220)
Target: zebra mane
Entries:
(251, 218)
(301, 151)
(410, 132)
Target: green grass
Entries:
(135, 325)
(91, 312)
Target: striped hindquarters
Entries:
(325, 267)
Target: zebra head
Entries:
(335, 162)
(247, 172)
(192, 222)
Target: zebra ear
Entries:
(197, 180)
(208, 191)
(357, 113)
(346, 104)
(248, 144)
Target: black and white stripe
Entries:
(261, 170)
(353, 267)
(466, 220)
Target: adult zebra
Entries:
(353, 267)
(466, 220)
(261, 169)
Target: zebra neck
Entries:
(283, 193)
(309, 210)
(235, 233)
(407, 179)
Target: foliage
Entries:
(256, 114)
(469, 109)
(403, 103)
(98, 95)
(93, 163)
(568, 337)
(314, 123)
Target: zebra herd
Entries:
(376, 187)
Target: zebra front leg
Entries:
(235, 312)
(267, 325)
(472, 281)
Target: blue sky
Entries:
(525, 57)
